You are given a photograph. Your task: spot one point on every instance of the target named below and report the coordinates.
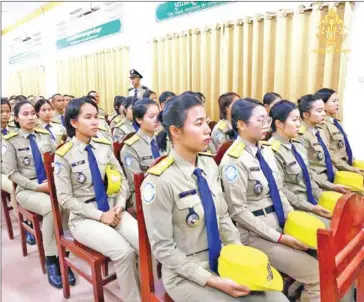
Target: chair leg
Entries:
(22, 234)
(9, 225)
(39, 240)
(97, 282)
(64, 272)
(105, 269)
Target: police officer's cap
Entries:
(135, 74)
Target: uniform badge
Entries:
(298, 179)
(340, 144)
(192, 218)
(258, 188)
(26, 161)
(320, 156)
(128, 160)
(57, 168)
(219, 136)
(231, 173)
(148, 193)
(81, 178)
(3, 150)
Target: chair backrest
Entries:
(48, 165)
(341, 250)
(212, 124)
(117, 148)
(145, 256)
(220, 153)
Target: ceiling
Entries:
(14, 11)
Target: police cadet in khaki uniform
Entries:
(302, 192)
(140, 151)
(186, 214)
(137, 90)
(96, 97)
(223, 132)
(312, 137)
(23, 163)
(43, 110)
(58, 104)
(127, 125)
(97, 218)
(253, 192)
(118, 115)
(340, 149)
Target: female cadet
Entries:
(141, 149)
(23, 164)
(127, 125)
(119, 111)
(96, 220)
(253, 192)
(300, 190)
(312, 137)
(43, 109)
(186, 214)
(340, 149)
(149, 94)
(223, 132)
(270, 99)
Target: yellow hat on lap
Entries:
(358, 164)
(350, 179)
(112, 180)
(328, 200)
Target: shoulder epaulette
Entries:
(276, 144)
(54, 120)
(302, 130)
(39, 130)
(131, 88)
(11, 123)
(10, 135)
(162, 166)
(118, 124)
(101, 117)
(102, 128)
(145, 87)
(62, 150)
(101, 140)
(209, 154)
(236, 150)
(222, 126)
(132, 140)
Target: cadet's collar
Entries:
(311, 129)
(186, 167)
(25, 134)
(81, 145)
(330, 119)
(43, 124)
(228, 123)
(251, 148)
(145, 136)
(127, 121)
(283, 140)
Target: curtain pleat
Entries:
(29, 81)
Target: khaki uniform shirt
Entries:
(246, 190)
(56, 118)
(122, 129)
(316, 156)
(337, 149)
(57, 130)
(102, 112)
(140, 91)
(116, 120)
(219, 134)
(72, 176)
(18, 162)
(294, 186)
(174, 217)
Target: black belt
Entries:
(90, 200)
(262, 212)
(197, 252)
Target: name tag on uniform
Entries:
(334, 133)
(187, 193)
(291, 164)
(24, 149)
(81, 162)
(254, 169)
(147, 157)
(316, 144)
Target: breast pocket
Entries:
(188, 212)
(80, 176)
(338, 140)
(318, 153)
(257, 183)
(25, 158)
(293, 172)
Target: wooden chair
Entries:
(220, 153)
(118, 146)
(65, 241)
(151, 291)
(212, 124)
(35, 219)
(341, 250)
(5, 199)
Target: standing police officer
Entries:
(137, 90)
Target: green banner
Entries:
(97, 32)
(173, 9)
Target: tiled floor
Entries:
(23, 281)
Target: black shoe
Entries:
(30, 239)
(71, 277)
(54, 277)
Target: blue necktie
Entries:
(48, 126)
(273, 189)
(63, 121)
(100, 194)
(136, 126)
(155, 149)
(4, 131)
(135, 92)
(306, 175)
(37, 157)
(213, 237)
(347, 144)
(328, 163)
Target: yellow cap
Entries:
(358, 164)
(350, 179)
(112, 180)
(249, 267)
(303, 226)
(328, 200)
